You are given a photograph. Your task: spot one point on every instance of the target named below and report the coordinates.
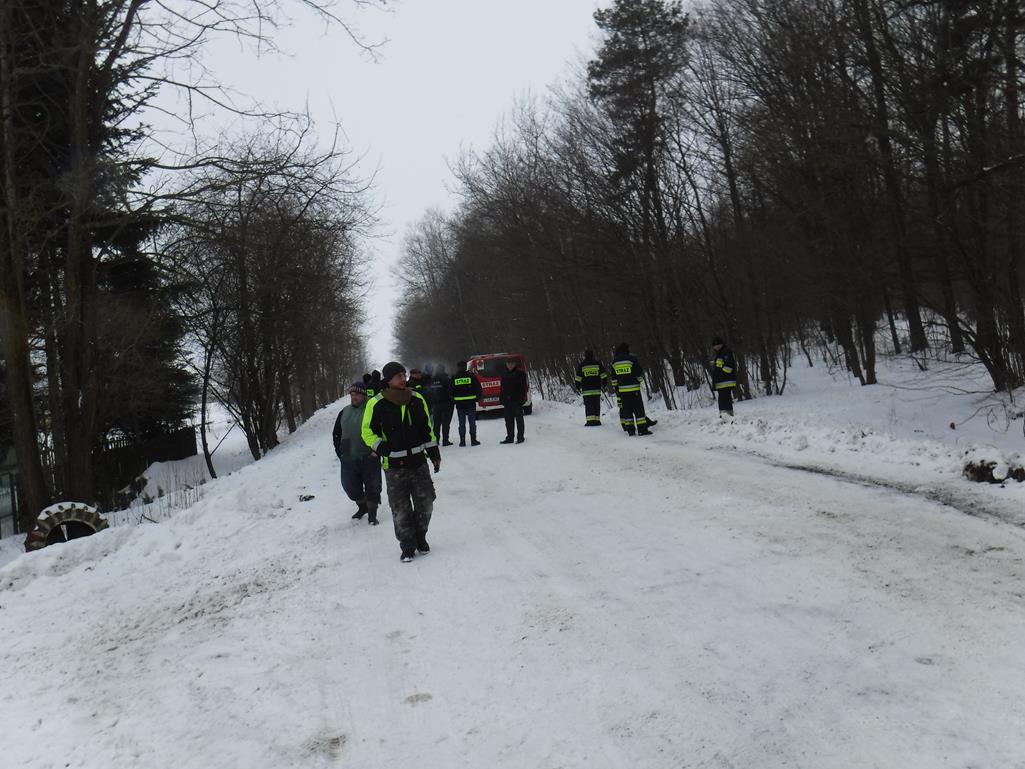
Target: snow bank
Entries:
(915, 429)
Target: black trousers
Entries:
(725, 399)
(592, 409)
(442, 420)
(513, 415)
(631, 412)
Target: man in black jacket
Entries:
(513, 397)
(397, 428)
(724, 377)
(441, 404)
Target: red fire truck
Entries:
(489, 368)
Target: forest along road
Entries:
(590, 600)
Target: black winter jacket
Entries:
(466, 388)
(514, 387)
(397, 427)
(440, 389)
(627, 374)
(724, 369)
(591, 377)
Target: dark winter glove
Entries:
(382, 449)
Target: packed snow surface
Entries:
(694, 599)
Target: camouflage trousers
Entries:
(411, 498)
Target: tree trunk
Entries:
(908, 284)
(890, 320)
(14, 320)
(1014, 199)
(208, 354)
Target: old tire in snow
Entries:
(62, 522)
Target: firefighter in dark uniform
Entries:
(466, 390)
(724, 376)
(590, 381)
(628, 378)
(397, 428)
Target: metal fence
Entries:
(8, 505)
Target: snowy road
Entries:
(590, 601)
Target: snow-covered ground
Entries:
(914, 430)
(591, 600)
(170, 487)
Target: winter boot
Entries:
(520, 439)
(645, 431)
(446, 442)
(474, 442)
(507, 439)
(407, 556)
(422, 545)
(361, 510)
(372, 514)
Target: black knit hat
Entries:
(391, 369)
(358, 387)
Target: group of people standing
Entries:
(626, 380)
(393, 423)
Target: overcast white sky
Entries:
(449, 71)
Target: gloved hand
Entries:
(437, 465)
(382, 450)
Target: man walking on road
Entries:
(441, 404)
(397, 428)
(512, 397)
(361, 471)
(466, 390)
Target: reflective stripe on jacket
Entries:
(402, 435)
(627, 375)
(724, 370)
(465, 387)
(591, 377)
